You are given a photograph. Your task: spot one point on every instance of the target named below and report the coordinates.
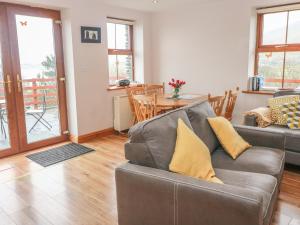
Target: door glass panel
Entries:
(4, 132)
(292, 70)
(270, 66)
(38, 75)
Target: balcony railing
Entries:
(34, 90)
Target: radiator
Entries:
(123, 118)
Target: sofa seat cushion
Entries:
(264, 185)
(256, 159)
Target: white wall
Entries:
(90, 105)
(209, 44)
(94, 102)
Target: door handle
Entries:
(19, 83)
(8, 83)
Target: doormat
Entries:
(59, 154)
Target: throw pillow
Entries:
(231, 141)
(276, 104)
(191, 156)
(291, 112)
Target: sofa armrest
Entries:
(151, 196)
(250, 120)
(265, 137)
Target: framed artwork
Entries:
(90, 35)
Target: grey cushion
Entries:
(264, 185)
(286, 92)
(256, 159)
(198, 115)
(152, 142)
(292, 140)
(292, 137)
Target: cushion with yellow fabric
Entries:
(291, 112)
(276, 103)
(191, 156)
(231, 141)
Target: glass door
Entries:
(38, 71)
(37, 77)
(8, 122)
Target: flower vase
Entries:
(176, 93)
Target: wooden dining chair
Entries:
(131, 91)
(217, 103)
(232, 97)
(145, 108)
(158, 89)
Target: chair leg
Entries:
(38, 120)
(45, 121)
(2, 125)
(40, 117)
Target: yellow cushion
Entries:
(231, 141)
(291, 112)
(191, 156)
(276, 103)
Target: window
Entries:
(120, 52)
(278, 49)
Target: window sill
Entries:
(259, 92)
(115, 88)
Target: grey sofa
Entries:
(292, 137)
(149, 194)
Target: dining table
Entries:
(166, 100)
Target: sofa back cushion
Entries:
(286, 92)
(152, 143)
(198, 115)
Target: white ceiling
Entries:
(148, 5)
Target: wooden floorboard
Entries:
(82, 190)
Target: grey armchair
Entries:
(149, 194)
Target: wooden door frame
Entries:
(9, 96)
(13, 9)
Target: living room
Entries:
(105, 104)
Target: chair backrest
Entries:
(217, 103)
(158, 89)
(145, 107)
(232, 97)
(140, 90)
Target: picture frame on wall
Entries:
(90, 34)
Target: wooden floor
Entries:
(82, 190)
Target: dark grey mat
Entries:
(59, 154)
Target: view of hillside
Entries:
(271, 64)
